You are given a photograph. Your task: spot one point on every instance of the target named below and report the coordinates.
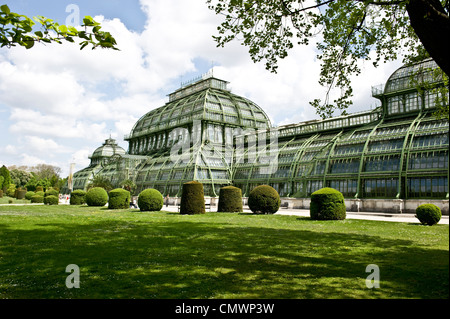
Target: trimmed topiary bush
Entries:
(37, 199)
(264, 199)
(52, 192)
(21, 193)
(428, 214)
(40, 193)
(230, 199)
(192, 199)
(78, 197)
(119, 198)
(30, 194)
(150, 200)
(96, 196)
(51, 200)
(327, 204)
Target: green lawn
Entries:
(131, 254)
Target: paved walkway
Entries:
(407, 218)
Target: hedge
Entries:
(230, 199)
(150, 200)
(428, 214)
(40, 193)
(51, 200)
(119, 198)
(264, 199)
(78, 197)
(327, 204)
(29, 194)
(52, 192)
(96, 196)
(37, 199)
(192, 199)
(21, 193)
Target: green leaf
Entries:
(62, 29)
(72, 30)
(39, 34)
(88, 21)
(5, 9)
(83, 44)
(28, 42)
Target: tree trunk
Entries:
(432, 25)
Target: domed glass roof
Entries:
(408, 76)
(108, 149)
(207, 99)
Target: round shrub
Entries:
(96, 196)
(51, 200)
(119, 198)
(37, 199)
(264, 199)
(40, 193)
(78, 197)
(30, 194)
(230, 199)
(428, 214)
(52, 192)
(150, 200)
(327, 204)
(192, 199)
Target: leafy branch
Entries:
(346, 32)
(17, 29)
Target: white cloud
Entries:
(9, 150)
(80, 158)
(30, 160)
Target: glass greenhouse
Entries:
(206, 133)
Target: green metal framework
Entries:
(398, 150)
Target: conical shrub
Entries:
(192, 199)
(230, 199)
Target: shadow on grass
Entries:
(192, 259)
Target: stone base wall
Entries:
(399, 206)
(396, 206)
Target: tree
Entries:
(350, 30)
(16, 29)
(36, 181)
(129, 185)
(19, 177)
(43, 171)
(101, 181)
(6, 177)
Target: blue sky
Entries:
(58, 104)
